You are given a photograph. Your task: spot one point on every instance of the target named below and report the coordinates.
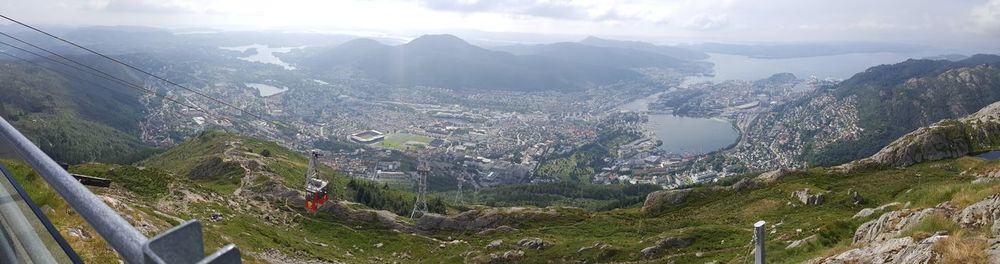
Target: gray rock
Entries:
(506, 256)
(663, 244)
(533, 243)
(891, 224)
(771, 176)
(483, 219)
(904, 250)
(495, 244)
(655, 201)
(79, 233)
(809, 199)
(800, 242)
(869, 211)
(499, 229)
(856, 198)
(981, 213)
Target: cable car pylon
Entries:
(420, 205)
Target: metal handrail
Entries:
(132, 245)
(70, 253)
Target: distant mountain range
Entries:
(798, 50)
(672, 51)
(450, 62)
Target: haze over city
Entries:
(968, 24)
(506, 131)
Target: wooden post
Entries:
(758, 242)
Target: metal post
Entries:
(180, 244)
(758, 242)
(112, 227)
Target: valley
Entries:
(590, 150)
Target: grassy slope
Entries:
(719, 221)
(53, 108)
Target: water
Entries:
(266, 90)
(265, 54)
(686, 135)
(992, 155)
(737, 67)
(692, 136)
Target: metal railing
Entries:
(180, 244)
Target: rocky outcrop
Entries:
(656, 201)
(533, 243)
(809, 199)
(945, 139)
(342, 210)
(904, 250)
(980, 214)
(499, 229)
(869, 211)
(601, 249)
(891, 224)
(477, 220)
(506, 257)
(771, 176)
(663, 244)
(800, 242)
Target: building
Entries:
(704, 177)
(368, 137)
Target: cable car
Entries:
(317, 190)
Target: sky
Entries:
(972, 23)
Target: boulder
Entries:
(655, 201)
(533, 243)
(601, 249)
(495, 244)
(800, 242)
(809, 199)
(856, 198)
(663, 244)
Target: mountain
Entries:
(893, 100)
(950, 138)
(74, 117)
(447, 61)
(344, 54)
(676, 52)
(800, 50)
(246, 191)
(605, 56)
(859, 116)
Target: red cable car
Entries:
(317, 191)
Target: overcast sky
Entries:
(936, 22)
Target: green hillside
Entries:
(268, 224)
(72, 116)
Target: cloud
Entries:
(707, 22)
(987, 16)
(554, 9)
(145, 6)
